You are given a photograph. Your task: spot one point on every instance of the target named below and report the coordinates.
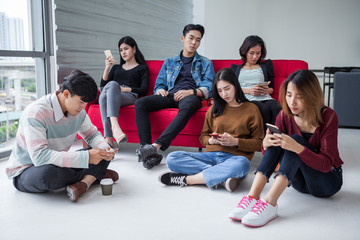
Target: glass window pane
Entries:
(17, 90)
(15, 25)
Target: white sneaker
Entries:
(243, 208)
(260, 214)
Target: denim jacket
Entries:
(202, 71)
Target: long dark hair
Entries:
(139, 57)
(225, 74)
(250, 42)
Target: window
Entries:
(26, 54)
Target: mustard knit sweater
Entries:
(244, 123)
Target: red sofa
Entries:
(189, 136)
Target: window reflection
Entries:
(17, 90)
(14, 25)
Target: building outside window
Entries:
(25, 61)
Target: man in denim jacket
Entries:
(182, 82)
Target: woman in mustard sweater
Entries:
(232, 132)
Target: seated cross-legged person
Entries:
(121, 87)
(253, 72)
(182, 82)
(41, 159)
(232, 132)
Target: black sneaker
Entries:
(229, 184)
(173, 179)
(138, 152)
(152, 161)
(146, 151)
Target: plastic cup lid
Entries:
(106, 181)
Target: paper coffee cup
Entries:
(106, 186)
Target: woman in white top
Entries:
(255, 71)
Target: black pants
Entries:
(143, 106)
(51, 177)
(269, 109)
(302, 177)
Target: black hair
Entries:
(196, 27)
(250, 42)
(80, 84)
(225, 74)
(139, 57)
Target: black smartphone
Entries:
(273, 128)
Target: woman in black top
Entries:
(121, 86)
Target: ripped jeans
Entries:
(302, 177)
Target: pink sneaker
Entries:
(260, 214)
(243, 208)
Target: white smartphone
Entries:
(262, 84)
(108, 53)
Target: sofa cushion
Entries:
(159, 119)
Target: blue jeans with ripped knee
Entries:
(302, 177)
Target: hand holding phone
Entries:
(214, 135)
(273, 128)
(262, 84)
(108, 53)
(112, 150)
(109, 58)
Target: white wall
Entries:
(321, 32)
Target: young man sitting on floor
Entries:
(41, 160)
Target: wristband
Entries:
(195, 92)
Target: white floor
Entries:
(142, 208)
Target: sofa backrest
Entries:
(282, 69)
(154, 68)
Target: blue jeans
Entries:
(215, 166)
(302, 177)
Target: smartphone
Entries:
(214, 135)
(108, 53)
(112, 150)
(262, 84)
(273, 128)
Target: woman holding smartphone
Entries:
(121, 86)
(256, 77)
(232, 132)
(307, 151)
